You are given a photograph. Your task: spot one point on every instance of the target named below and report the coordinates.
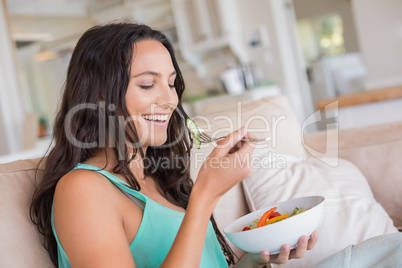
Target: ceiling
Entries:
(64, 8)
(50, 20)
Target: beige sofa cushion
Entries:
(20, 243)
(377, 152)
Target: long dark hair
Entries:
(97, 78)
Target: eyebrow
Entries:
(153, 73)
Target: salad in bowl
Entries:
(264, 229)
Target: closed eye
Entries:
(146, 86)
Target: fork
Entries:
(205, 138)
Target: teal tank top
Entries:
(156, 234)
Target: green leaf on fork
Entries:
(195, 132)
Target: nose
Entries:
(167, 98)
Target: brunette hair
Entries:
(98, 74)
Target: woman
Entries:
(106, 199)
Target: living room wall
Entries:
(379, 30)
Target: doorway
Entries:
(330, 49)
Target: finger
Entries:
(246, 138)
(246, 148)
(301, 248)
(249, 137)
(283, 256)
(229, 142)
(263, 258)
(219, 142)
(236, 147)
(313, 240)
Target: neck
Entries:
(107, 158)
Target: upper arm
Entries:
(88, 224)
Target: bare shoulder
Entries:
(82, 182)
(87, 219)
(83, 195)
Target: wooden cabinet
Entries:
(156, 13)
(199, 24)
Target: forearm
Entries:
(188, 245)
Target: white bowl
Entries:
(288, 231)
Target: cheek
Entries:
(176, 98)
(139, 123)
(137, 103)
(130, 101)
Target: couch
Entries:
(357, 170)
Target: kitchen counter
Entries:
(364, 108)
(364, 97)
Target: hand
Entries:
(228, 164)
(263, 258)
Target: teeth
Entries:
(156, 117)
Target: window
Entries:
(321, 36)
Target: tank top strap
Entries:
(115, 180)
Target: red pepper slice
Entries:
(264, 217)
(246, 228)
(273, 215)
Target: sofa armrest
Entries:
(376, 151)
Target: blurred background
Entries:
(312, 51)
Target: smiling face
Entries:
(151, 96)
